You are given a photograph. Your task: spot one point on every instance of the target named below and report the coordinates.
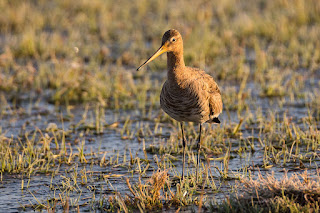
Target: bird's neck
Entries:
(176, 66)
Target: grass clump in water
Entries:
(154, 194)
(298, 193)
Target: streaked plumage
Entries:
(192, 97)
(189, 94)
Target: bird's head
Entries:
(171, 42)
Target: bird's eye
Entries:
(173, 40)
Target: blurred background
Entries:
(73, 48)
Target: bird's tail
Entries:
(214, 120)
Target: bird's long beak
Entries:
(161, 50)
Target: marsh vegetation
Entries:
(81, 130)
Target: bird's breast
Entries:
(183, 103)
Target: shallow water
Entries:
(27, 117)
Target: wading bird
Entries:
(189, 94)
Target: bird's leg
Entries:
(184, 149)
(198, 147)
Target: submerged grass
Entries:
(281, 140)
